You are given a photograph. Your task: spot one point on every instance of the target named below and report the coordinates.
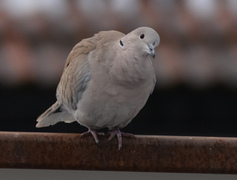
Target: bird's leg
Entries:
(93, 133)
(119, 135)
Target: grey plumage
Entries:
(106, 80)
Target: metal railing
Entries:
(143, 153)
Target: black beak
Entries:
(153, 53)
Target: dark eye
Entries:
(121, 42)
(142, 36)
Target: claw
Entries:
(94, 134)
(119, 135)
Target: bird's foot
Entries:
(119, 135)
(94, 134)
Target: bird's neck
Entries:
(132, 72)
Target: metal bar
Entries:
(143, 153)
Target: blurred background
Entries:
(196, 63)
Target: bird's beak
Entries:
(152, 52)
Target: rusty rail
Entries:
(144, 153)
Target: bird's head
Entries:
(143, 39)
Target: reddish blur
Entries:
(198, 38)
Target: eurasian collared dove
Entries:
(106, 81)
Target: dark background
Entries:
(196, 64)
(174, 111)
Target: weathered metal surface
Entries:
(144, 153)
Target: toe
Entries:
(119, 135)
(94, 134)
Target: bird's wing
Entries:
(73, 83)
(76, 75)
(77, 70)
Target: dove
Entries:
(106, 81)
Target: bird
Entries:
(106, 81)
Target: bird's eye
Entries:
(121, 42)
(142, 36)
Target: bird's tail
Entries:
(52, 116)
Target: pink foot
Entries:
(119, 135)
(93, 133)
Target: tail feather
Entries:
(51, 116)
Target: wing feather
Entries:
(76, 74)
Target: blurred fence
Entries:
(198, 38)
